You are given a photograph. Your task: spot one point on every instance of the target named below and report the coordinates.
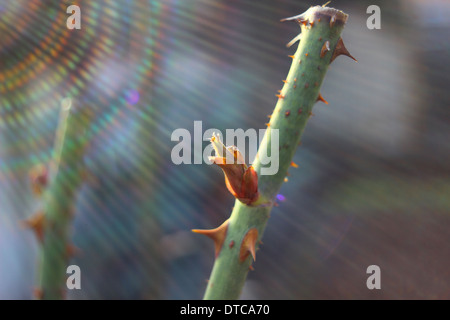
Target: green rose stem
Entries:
(52, 225)
(236, 240)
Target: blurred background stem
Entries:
(67, 172)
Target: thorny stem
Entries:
(320, 43)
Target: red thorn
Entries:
(268, 124)
(300, 111)
(287, 113)
(269, 116)
(325, 48)
(248, 245)
(306, 85)
(231, 245)
(218, 235)
(295, 86)
(341, 49)
(303, 22)
(36, 224)
(311, 23)
(286, 179)
(293, 164)
(318, 20)
(306, 54)
(292, 57)
(250, 267)
(320, 98)
(280, 96)
(279, 91)
(295, 79)
(285, 81)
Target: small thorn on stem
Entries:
(341, 50)
(320, 98)
(332, 21)
(295, 18)
(297, 38)
(248, 245)
(325, 48)
(302, 21)
(36, 224)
